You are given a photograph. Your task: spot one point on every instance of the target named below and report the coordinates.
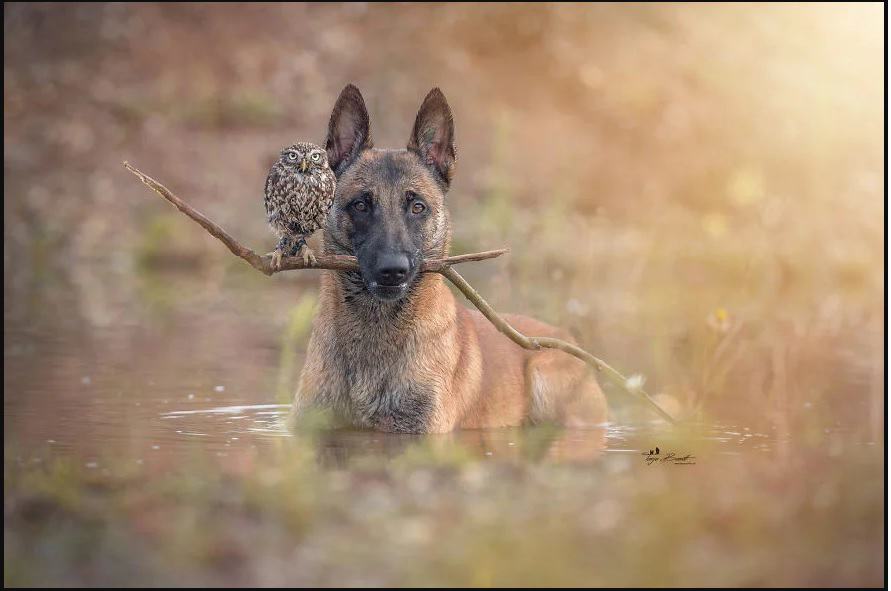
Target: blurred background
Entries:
(696, 191)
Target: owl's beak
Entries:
(304, 165)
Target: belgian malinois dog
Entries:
(390, 349)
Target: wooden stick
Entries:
(535, 343)
(442, 266)
(263, 263)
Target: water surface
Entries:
(153, 424)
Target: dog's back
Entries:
(518, 385)
(390, 348)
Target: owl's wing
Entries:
(330, 185)
(271, 180)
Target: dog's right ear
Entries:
(348, 129)
(433, 137)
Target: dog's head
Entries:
(389, 210)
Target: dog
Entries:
(390, 349)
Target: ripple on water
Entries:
(240, 426)
(265, 419)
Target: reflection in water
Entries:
(249, 425)
(338, 447)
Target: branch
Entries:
(537, 343)
(263, 263)
(442, 266)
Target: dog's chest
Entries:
(380, 388)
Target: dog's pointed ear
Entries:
(348, 130)
(433, 137)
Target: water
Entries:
(71, 397)
(196, 368)
(153, 424)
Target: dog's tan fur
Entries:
(421, 363)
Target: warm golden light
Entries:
(694, 191)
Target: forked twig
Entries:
(536, 343)
(263, 263)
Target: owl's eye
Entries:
(292, 155)
(316, 157)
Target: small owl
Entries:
(299, 192)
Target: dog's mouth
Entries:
(388, 293)
(386, 277)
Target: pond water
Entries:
(151, 393)
(186, 381)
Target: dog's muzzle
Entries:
(390, 276)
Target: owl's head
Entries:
(304, 157)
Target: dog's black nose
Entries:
(392, 269)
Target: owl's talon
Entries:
(309, 257)
(276, 259)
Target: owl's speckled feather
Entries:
(299, 192)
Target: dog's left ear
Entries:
(349, 130)
(433, 137)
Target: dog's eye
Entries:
(415, 204)
(360, 205)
